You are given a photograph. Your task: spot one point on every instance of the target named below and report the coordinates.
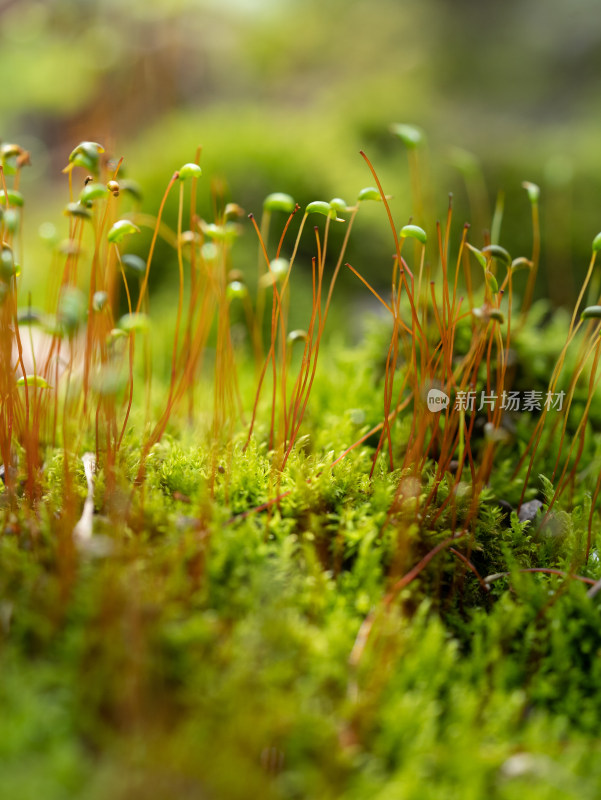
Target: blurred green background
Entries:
(282, 95)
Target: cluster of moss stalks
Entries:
(272, 568)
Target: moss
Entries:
(341, 604)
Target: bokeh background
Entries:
(283, 94)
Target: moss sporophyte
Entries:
(450, 328)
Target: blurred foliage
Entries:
(283, 95)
